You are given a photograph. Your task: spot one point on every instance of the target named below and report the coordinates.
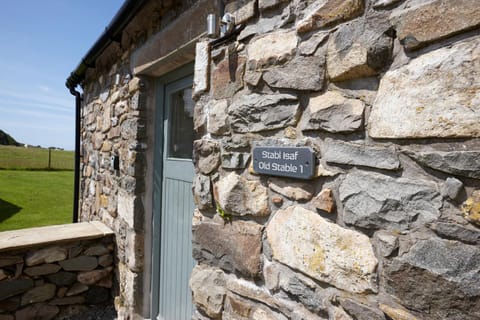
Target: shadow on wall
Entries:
(7, 210)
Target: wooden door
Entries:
(173, 202)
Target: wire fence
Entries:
(33, 158)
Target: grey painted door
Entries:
(173, 203)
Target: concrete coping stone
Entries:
(24, 238)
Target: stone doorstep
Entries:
(24, 238)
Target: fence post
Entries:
(49, 158)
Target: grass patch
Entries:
(35, 198)
(21, 158)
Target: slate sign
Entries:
(293, 162)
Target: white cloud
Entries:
(44, 88)
(43, 113)
(28, 98)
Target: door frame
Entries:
(158, 155)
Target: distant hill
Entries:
(7, 140)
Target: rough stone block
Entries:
(322, 250)
(338, 313)
(242, 10)
(251, 291)
(233, 246)
(302, 73)
(208, 289)
(239, 197)
(337, 151)
(419, 100)
(76, 289)
(202, 66)
(10, 304)
(105, 260)
(471, 208)
(386, 242)
(462, 163)
(399, 204)
(396, 313)
(272, 46)
(329, 12)
(12, 287)
(91, 277)
(421, 24)
(324, 201)
(227, 76)
(440, 266)
(235, 160)
(47, 255)
(452, 231)
(130, 286)
(62, 278)
(206, 155)
(202, 192)
(8, 260)
(309, 46)
(360, 311)
(134, 85)
(256, 112)
(200, 113)
(267, 23)
(134, 253)
(81, 263)
(217, 122)
(42, 269)
(96, 250)
(39, 294)
(294, 284)
(333, 113)
(451, 188)
(357, 51)
(268, 4)
(293, 190)
(238, 308)
(126, 208)
(97, 139)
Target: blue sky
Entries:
(41, 42)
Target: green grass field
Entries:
(35, 198)
(30, 195)
(20, 158)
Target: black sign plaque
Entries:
(293, 162)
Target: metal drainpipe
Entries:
(76, 187)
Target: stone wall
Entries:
(118, 109)
(387, 94)
(113, 125)
(68, 277)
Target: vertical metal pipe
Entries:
(76, 187)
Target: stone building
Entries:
(336, 158)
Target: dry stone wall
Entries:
(387, 95)
(67, 280)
